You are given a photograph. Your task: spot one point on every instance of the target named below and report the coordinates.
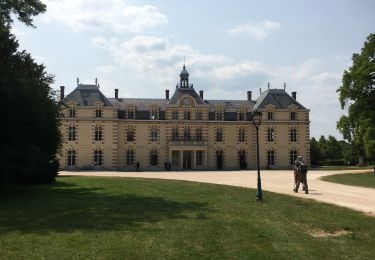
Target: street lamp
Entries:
(257, 119)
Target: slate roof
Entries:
(86, 95)
(276, 97)
(231, 104)
(140, 103)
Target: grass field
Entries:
(354, 179)
(109, 218)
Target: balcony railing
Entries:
(190, 142)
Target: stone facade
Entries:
(185, 131)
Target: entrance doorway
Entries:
(186, 160)
(242, 157)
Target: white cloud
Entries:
(109, 15)
(259, 30)
(106, 69)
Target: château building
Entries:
(184, 130)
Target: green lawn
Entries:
(354, 179)
(109, 218)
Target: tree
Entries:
(29, 132)
(358, 94)
(315, 152)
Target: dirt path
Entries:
(357, 198)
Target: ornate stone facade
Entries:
(185, 131)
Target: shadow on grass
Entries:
(64, 207)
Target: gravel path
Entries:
(357, 198)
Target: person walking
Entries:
(300, 175)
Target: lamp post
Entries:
(257, 119)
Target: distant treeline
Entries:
(329, 151)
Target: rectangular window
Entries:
(98, 133)
(175, 115)
(130, 157)
(199, 115)
(241, 116)
(293, 135)
(241, 135)
(154, 134)
(293, 116)
(270, 158)
(72, 133)
(270, 115)
(186, 115)
(199, 134)
(72, 112)
(98, 157)
(130, 114)
(219, 115)
(270, 135)
(154, 158)
(219, 135)
(130, 135)
(98, 113)
(199, 156)
(175, 134)
(187, 134)
(293, 156)
(71, 158)
(153, 114)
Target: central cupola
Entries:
(184, 78)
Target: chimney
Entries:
(201, 93)
(167, 94)
(62, 88)
(116, 92)
(249, 95)
(294, 95)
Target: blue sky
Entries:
(230, 47)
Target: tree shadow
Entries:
(64, 207)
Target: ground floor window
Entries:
(270, 157)
(293, 156)
(130, 157)
(242, 159)
(219, 159)
(98, 157)
(71, 158)
(199, 156)
(154, 158)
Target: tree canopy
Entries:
(357, 93)
(29, 132)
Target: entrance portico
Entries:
(187, 158)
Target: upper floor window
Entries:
(130, 114)
(219, 115)
(98, 133)
(270, 157)
(199, 134)
(293, 135)
(154, 113)
(175, 115)
(98, 113)
(98, 157)
(241, 135)
(72, 112)
(71, 158)
(187, 134)
(174, 134)
(130, 134)
(186, 115)
(270, 115)
(72, 133)
(241, 116)
(154, 134)
(293, 115)
(199, 115)
(219, 135)
(270, 135)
